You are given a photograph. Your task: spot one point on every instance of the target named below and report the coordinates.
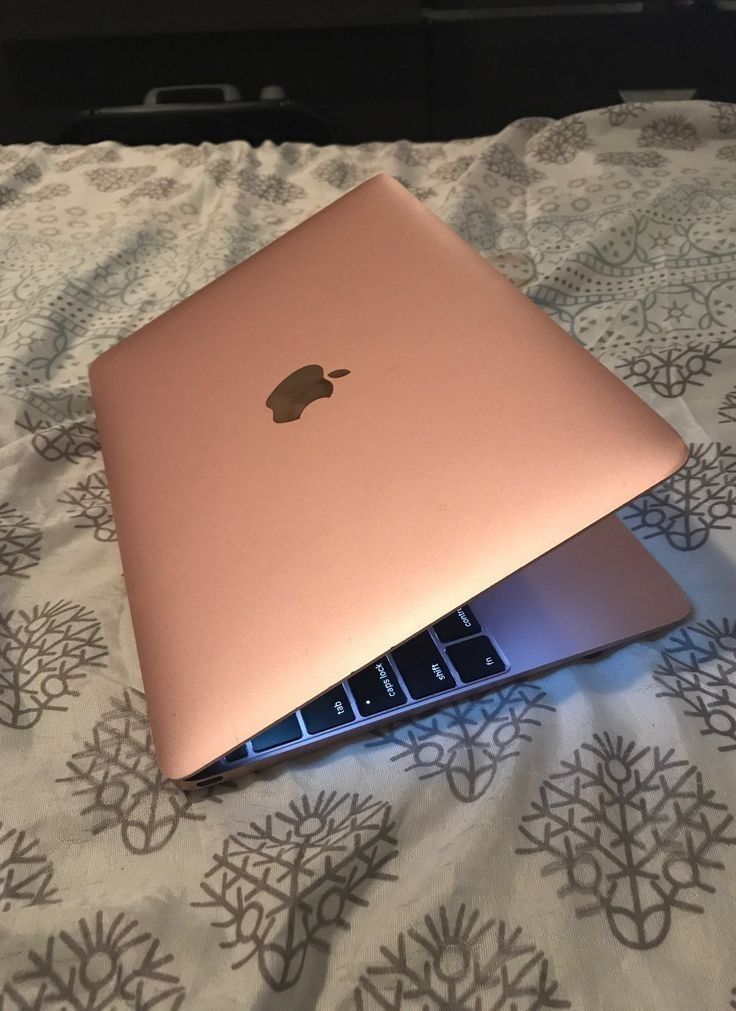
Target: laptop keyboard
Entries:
(426, 666)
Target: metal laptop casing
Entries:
(264, 562)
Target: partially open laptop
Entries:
(320, 463)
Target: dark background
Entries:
(370, 70)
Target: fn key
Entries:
(475, 659)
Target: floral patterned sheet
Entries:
(563, 843)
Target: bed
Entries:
(566, 842)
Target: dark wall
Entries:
(365, 83)
(489, 71)
(437, 73)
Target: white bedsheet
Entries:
(566, 843)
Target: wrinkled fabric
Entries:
(566, 842)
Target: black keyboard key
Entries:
(376, 688)
(422, 667)
(209, 770)
(458, 625)
(283, 732)
(329, 710)
(209, 782)
(236, 754)
(475, 659)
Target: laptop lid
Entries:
(333, 445)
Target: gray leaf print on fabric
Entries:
(459, 963)
(106, 179)
(20, 543)
(48, 342)
(669, 371)
(91, 155)
(632, 160)
(530, 124)
(25, 873)
(293, 154)
(280, 888)
(187, 156)
(271, 188)
(299, 154)
(674, 133)
(44, 654)
(727, 153)
(698, 667)
(106, 963)
(477, 224)
(727, 410)
(73, 441)
(420, 192)
(634, 833)
(467, 743)
(121, 786)
(47, 192)
(698, 499)
(89, 503)
(451, 171)
(502, 160)
(725, 116)
(9, 196)
(156, 189)
(342, 174)
(26, 171)
(372, 146)
(617, 115)
(219, 170)
(560, 142)
(414, 155)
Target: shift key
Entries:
(421, 665)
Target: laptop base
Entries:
(597, 591)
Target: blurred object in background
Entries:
(190, 114)
(360, 66)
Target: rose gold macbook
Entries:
(321, 461)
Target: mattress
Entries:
(565, 842)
